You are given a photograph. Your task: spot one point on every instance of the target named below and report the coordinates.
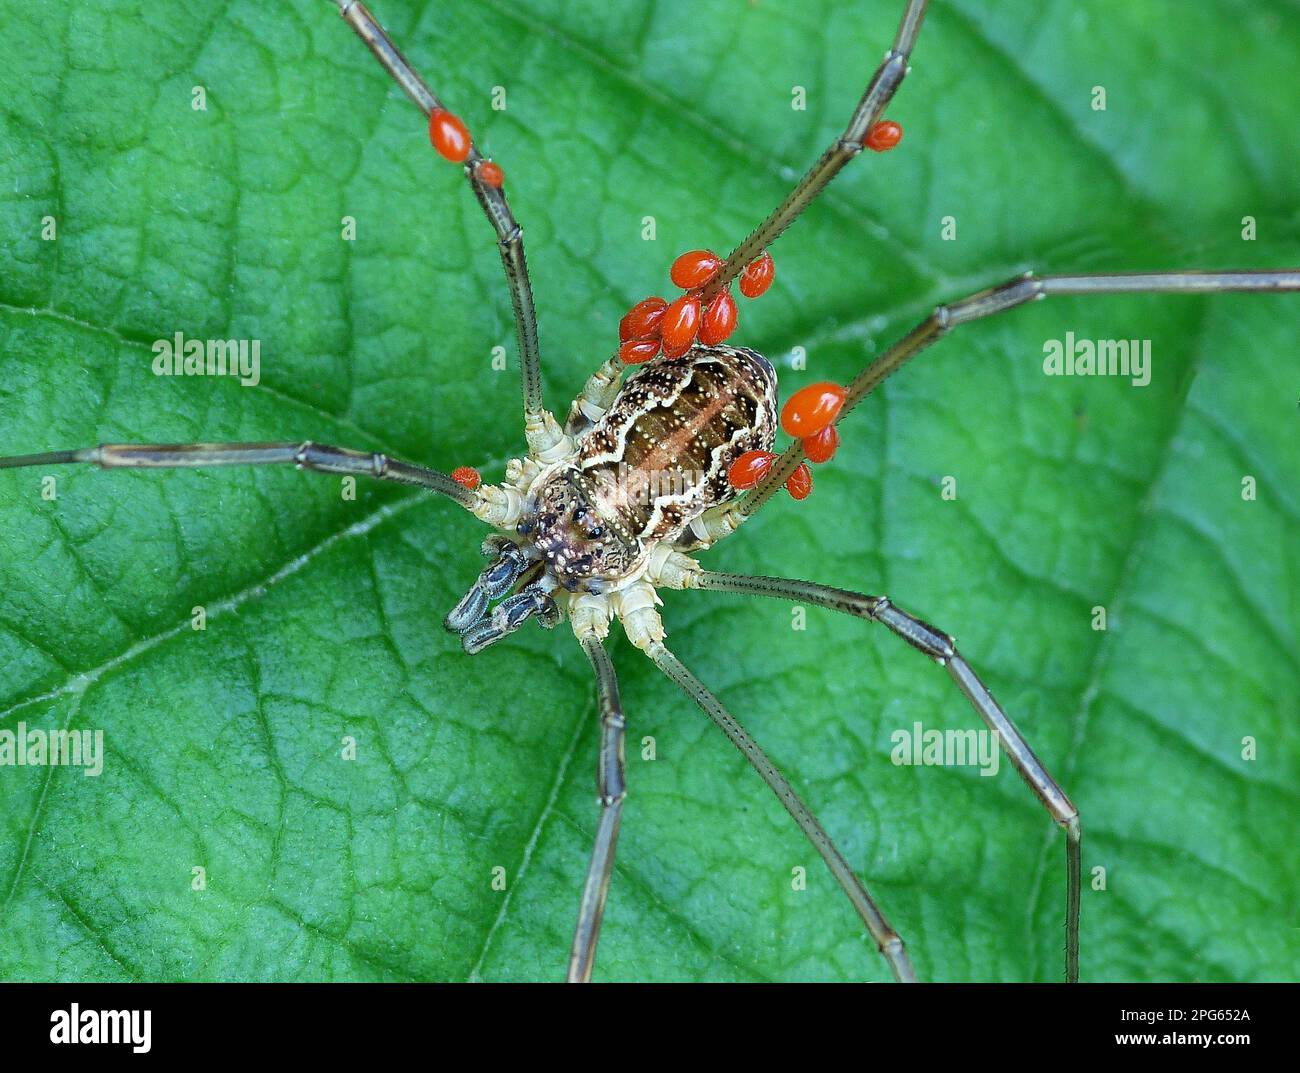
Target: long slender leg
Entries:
(304, 455)
(510, 236)
(986, 303)
(940, 648)
(611, 785)
(891, 946)
(880, 91)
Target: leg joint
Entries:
(511, 239)
(896, 954)
(919, 634)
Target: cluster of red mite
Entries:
(655, 324)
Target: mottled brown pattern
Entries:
(659, 457)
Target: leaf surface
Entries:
(223, 746)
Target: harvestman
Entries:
(574, 541)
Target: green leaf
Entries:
(223, 746)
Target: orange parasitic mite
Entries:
(821, 446)
(749, 468)
(719, 320)
(883, 136)
(466, 477)
(799, 484)
(681, 322)
(449, 135)
(757, 276)
(811, 409)
(643, 319)
(694, 269)
(636, 351)
(490, 174)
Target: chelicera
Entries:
(603, 511)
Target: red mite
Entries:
(810, 409)
(491, 174)
(821, 447)
(749, 468)
(757, 276)
(719, 320)
(681, 322)
(467, 477)
(883, 136)
(694, 269)
(636, 351)
(449, 135)
(800, 483)
(642, 320)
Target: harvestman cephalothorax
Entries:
(610, 506)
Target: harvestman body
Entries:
(607, 509)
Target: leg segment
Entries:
(596, 398)
(940, 648)
(1009, 295)
(510, 236)
(891, 946)
(880, 91)
(611, 785)
(304, 455)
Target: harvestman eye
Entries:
(703, 412)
